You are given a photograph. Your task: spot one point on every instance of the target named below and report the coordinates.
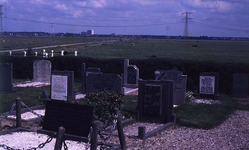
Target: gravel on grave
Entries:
(232, 134)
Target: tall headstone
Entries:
(42, 71)
(62, 85)
(6, 77)
(240, 85)
(155, 101)
(131, 75)
(208, 85)
(180, 83)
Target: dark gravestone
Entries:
(103, 82)
(240, 85)
(155, 101)
(180, 83)
(131, 75)
(6, 77)
(84, 73)
(62, 85)
(208, 85)
(76, 119)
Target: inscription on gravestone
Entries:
(62, 85)
(59, 87)
(180, 83)
(76, 119)
(152, 100)
(103, 82)
(155, 101)
(207, 84)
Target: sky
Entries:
(221, 18)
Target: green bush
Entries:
(103, 103)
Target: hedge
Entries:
(23, 68)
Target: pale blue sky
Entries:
(136, 17)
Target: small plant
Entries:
(189, 96)
(104, 104)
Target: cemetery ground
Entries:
(191, 118)
(190, 114)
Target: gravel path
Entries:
(232, 134)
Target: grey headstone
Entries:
(240, 85)
(103, 82)
(6, 77)
(41, 71)
(180, 83)
(155, 101)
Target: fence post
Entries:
(94, 138)
(120, 132)
(59, 138)
(18, 112)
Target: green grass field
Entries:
(218, 51)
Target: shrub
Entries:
(104, 104)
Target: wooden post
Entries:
(59, 138)
(18, 112)
(94, 138)
(120, 132)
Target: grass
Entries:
(217, 51)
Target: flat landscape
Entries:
(218, 51)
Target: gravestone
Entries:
(208, 85)
(85, 72)
(180, 83)
(240, 85)
(41, 71)
(93, 80)
(155, 101)
(76, 119)
(62, 85)
(103, 82)
(6, 77)
(131, 75)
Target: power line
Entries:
(82, 25)
(186, 19)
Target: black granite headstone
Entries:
(131, 75)
(6, 77)
(240, 85)
(76, 119)
(155, 101)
